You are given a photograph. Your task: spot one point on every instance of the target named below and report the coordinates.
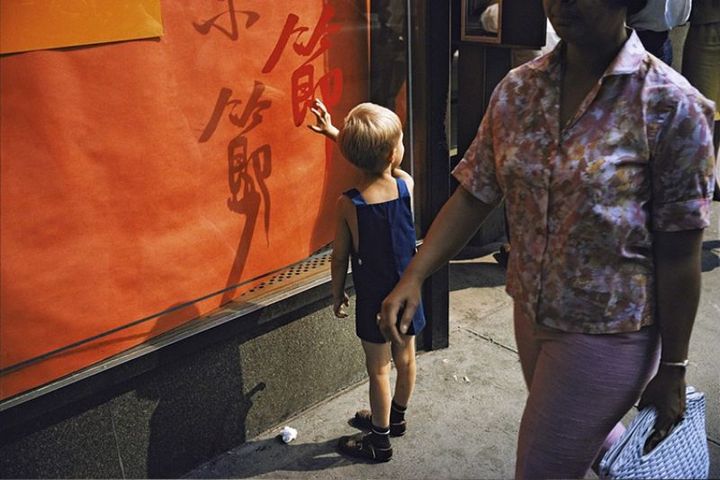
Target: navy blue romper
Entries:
(386, 245)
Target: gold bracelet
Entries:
(682, 364)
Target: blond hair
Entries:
(369, 136)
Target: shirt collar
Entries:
(627, 61)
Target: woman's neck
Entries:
(593, 58)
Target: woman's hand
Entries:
(323, 122)
(405, 298)
(455, 224)
(666, 392)
(339, 306)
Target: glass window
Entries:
(147, 183)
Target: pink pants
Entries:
(580, 386)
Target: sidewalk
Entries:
(463, 418)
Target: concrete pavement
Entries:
(463, 418)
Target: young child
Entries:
(374, 229)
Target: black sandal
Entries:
(363, 421)
(360, 446)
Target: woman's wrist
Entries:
(412, 277)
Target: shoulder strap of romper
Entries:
(402, 188)
(354, 195)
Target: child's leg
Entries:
(404, 357)
(377, 360)
(375, 445)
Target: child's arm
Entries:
(398, 173)
(340, 257)
(323, 122)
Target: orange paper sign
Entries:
(41, 24)
(143, 182)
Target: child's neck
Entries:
(369, 177)
(378, 187)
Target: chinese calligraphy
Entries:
(243, 186)
(249, 165)
(232, 33)
(303, 85)
(248, 168)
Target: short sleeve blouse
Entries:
(583, 201)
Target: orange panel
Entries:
(38, 24)
(141, 176)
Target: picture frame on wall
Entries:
(481, 21)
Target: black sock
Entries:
(380, 437)
(397, 413)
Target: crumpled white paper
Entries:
(288, 434)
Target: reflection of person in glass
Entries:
(482, 18)
(374, 229)
(388, 61)
(604, 156)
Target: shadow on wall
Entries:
(247, 175)
(201, 409)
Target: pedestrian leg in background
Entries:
(701, 66)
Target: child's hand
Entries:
(339, 306)
(323, 122)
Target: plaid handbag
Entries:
(683, 454)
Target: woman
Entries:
(604, 156)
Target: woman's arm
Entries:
(677, 279)
(453, 227)
(340, 257)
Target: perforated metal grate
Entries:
(316, 265)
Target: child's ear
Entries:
(395, 152)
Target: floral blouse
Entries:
(583, 201)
